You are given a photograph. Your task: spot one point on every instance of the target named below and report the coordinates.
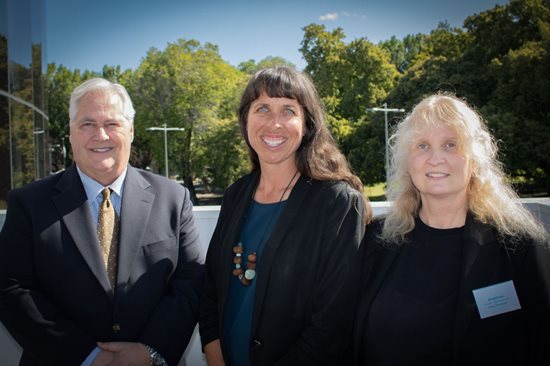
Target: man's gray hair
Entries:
(100, 84)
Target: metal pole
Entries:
(165, 150)
(387, 163)
(386, 138)
(165, 129)
(63, 151)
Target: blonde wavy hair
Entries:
(491, 198)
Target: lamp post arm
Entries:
(387, 153)
(165, 129)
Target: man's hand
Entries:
(103, 358)
(126, 353)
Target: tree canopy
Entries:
(498, 61)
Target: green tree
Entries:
(220, 154)
(188, 86)
(434, 67)
(513, 86)
(323, 52)
(366, 149)
(59, 85)
(250, 66)
(519, 111)
(350, 78)
(507, 78)
(396, 49)
(368, 79)
(413, 44)
(403, 52)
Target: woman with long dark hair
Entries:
(282, 263)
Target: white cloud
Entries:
(329, 16)
(334, 16)
(353, 15)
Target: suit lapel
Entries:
(136, 206)
(75, 212)
(238, 215)
(287, 217)
(241, 209)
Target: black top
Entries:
(307, 277)
(516, 337)
(421, 284)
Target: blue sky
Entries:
(89, 34)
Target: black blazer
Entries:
(306, 290)
(55, 297)
(520, 337)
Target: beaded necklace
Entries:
(246, 276)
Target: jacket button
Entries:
(257, 344)
(116, 328)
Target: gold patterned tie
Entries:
(107, 232)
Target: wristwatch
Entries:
(155, 357)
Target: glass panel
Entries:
(39, 120)
(21, 86)
(5, 167)
(40, 126)
(23, 156)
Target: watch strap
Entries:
(155, 358)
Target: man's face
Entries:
(101, 137)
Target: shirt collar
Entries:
(93, 187)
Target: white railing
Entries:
(206, 217)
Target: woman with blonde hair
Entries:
(458, 271)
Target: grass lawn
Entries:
(376, 192)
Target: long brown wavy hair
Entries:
(318, 156)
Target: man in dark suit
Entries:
(90, 275)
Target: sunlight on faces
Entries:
(437, 165)
(101, 137)
(275, 129)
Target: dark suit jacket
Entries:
(306, 291)
(520, 337)
(55, 297)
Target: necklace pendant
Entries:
(244, 276)
(249, 274)
(244, 281)
(238, 249)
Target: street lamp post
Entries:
(165, 129)
(387, 154)
(63, 151)
(61, 148)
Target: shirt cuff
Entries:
(91, 357)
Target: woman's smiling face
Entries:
(275, 127)
(436, 165)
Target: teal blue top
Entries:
(259, 224)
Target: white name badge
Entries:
(496, 299)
